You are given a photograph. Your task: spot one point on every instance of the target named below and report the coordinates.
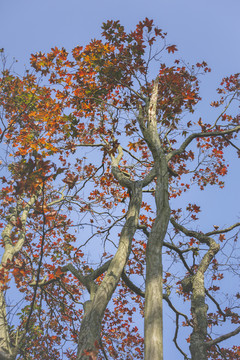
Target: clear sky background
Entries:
(202, 30)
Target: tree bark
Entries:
(199, 313)
(153, 326)
(7, 350)
(198, 345)
(153, 322)
(90, 332)
(4, 335)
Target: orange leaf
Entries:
(58, 272)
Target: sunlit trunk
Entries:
(89, 336)
(199, 314)
(4, 335)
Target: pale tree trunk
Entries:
(199, 313)
(199, 308)
(90, 331)
(198, 345)
(5, 347)
(153, 324)
(153, 321)
(9, 351)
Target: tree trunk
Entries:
(90, 332)
(154, 292)
(4, 335)
(153, 327)
(199, 312)
(199, 308)
(7, 351)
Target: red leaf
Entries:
(171, 49)
(19, 223)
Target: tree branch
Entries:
(215, 232)
(182, 148)
(131, 285)
(83, 279)
(223, 337)
(98, 272)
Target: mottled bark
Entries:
(4, 335)
(89, 336)
(8, 351)
(198, 305)
(153, 326)
(199, 313)
(198, 347)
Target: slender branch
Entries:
(141, 293)
(58, 200)
(216, 303)
(135, 158)
(175, 338)
(231, 143)
(69, 293)
(215, 232)
(182, 148)
(180, 253)
(103, 350)
(84, 145)
(203, 238)
(223, 337)
(224, 110)
(39, 264)
(134, 91)
(91, 145)
(131, 285)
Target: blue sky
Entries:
(206, 29)
(202, 30)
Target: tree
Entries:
(93, 162)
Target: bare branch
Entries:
(98, 272)
(132, 286)
(175, 338)
(182, 148)
(203, 238)
(216, 303)
(231, 143)
(223, 337)
(180, 253)
(215, 232)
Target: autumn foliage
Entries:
(84, 135)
